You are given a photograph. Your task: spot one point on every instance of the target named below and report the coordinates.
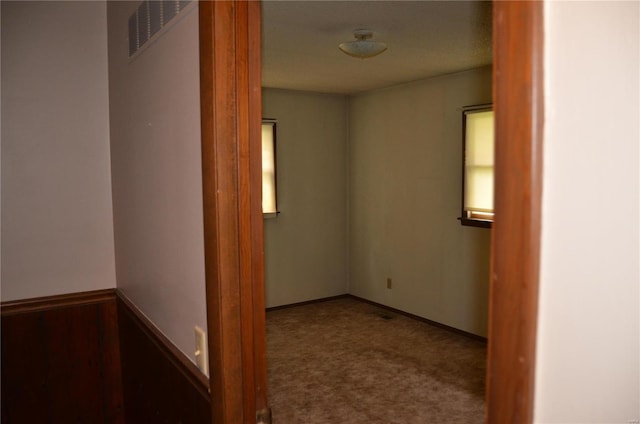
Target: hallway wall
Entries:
(57, 228)
(157, 173)
(588, 356)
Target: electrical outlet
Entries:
(202, 358)
(389, 283)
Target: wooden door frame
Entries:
(231, 114)
(515, 250)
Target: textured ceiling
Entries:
(424, 39)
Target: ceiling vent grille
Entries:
(149, 18)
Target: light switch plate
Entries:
(202, 357)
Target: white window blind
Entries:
(479, 169)
(269, 205)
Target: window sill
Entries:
(481, 223)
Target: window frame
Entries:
(274, 124)
(465, 218)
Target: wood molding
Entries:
(47, 303)
(311, 302)
(381, 306)
(230, 126)
(519, 113)
(421, 319)
(174, 355)
(220, 208)
(257, 287)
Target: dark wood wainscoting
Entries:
(61, 361)
(160, 384)
(94, 358)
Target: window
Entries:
(269, 205)
(477, 186)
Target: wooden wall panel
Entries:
(83, 357)
(60, 360)
(24, 384)
(111, 364)
(160, 385)
(73, 351)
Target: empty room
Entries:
(366, 217)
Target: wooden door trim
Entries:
(230, 96)
(229, 56)
(519, 112)
(258, 307)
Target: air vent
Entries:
(149, 18)
(384, 315)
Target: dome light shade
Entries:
(363, 47)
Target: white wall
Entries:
(404, 182)
(587, 368)
(306, 245)
(57, 231)
(157, 173)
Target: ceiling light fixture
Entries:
(363, 47)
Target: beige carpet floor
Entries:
(348, 362)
